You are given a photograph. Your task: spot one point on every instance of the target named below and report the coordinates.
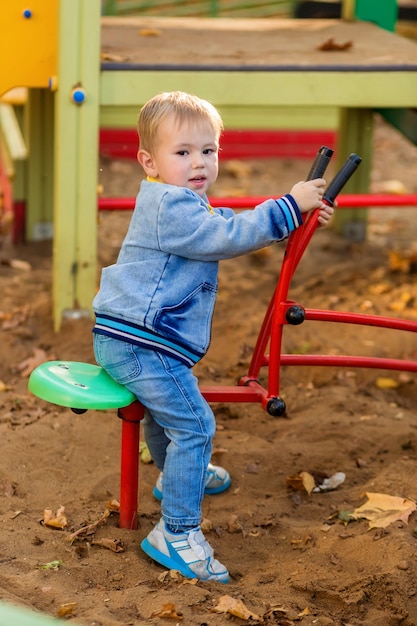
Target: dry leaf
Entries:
(18, 264)
(169, 611)
(52, 565)
(67, 609)
(113, 58)
(227, 604)
(391, 186)
(89, 529)
(113, 506)
(206, 525)
(271, 612)
(331, 45)
(27, 366)
(386, 383)
(115, 545)
(14, 319)
(302, 480)
(381, 510)
(57, 520)
(398, 262)
(233, 524)
(145, 455)
(150, 32)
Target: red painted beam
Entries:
(235, 144)
(347, 201)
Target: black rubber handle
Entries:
(320, 163)
(341, 178)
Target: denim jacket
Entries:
(161, 292)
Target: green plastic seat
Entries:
(78, 386)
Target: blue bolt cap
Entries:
(78, 95)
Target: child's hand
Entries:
(325, 213)
(309, 194)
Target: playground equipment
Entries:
(82, 386)
(53, 48)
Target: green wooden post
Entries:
(38, 182)
(76, 158)
(355, 135)
(355, 129)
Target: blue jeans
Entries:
(179, 425)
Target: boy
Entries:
(155, 306)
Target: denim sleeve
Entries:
(186, 228)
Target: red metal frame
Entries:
(344, 201)
(249, 389)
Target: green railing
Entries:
(200, 8)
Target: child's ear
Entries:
(146, 161)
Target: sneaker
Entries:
(189, 553)
(217, 481)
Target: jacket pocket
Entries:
(189, 321)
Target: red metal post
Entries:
(131, 417)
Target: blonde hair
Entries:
(183, 106)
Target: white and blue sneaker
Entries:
(189, 553)
(218, 480)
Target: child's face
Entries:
(186, 155)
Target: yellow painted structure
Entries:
(28, 43)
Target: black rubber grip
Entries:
(320, 163)
(341, 178)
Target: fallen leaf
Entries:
(233, 524)
(88, 529)
(150, 32)
(173, 574)
(277, 608)
(381, 510)
(51, 565)
(57, 520)
(302, 480)
(391, 186)
(206, 525)
(113, 506)
(169, 611)
(18, 264)
(386, 383)
(331, 45)
(113, 58)
(115, 545)
(227, 604)
(398, 262)
(14, 319)
(27, 366)
(67, 609)
(145, 455)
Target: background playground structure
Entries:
(70, 98)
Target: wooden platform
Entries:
(262, 44)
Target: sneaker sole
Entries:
(157, 494)
(166, 561)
